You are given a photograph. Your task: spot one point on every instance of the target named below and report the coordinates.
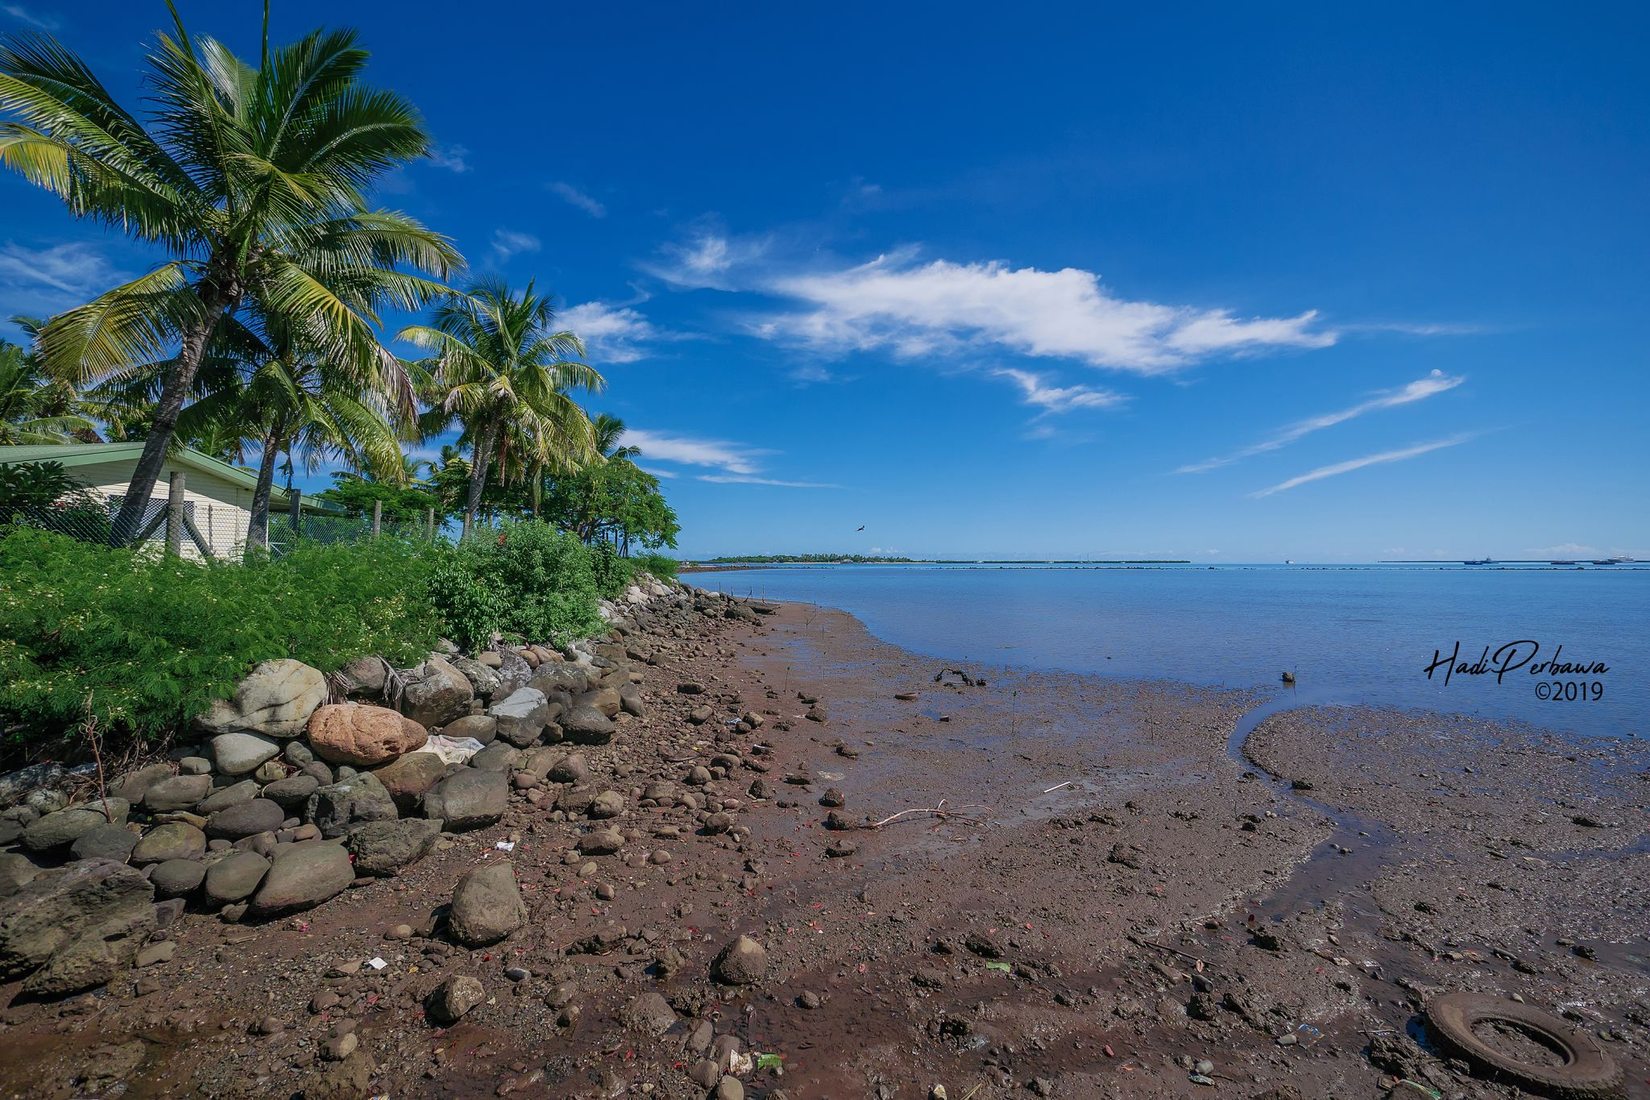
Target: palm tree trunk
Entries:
(257, 531)
(176, 388)
(483, 453)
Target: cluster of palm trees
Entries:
(262, 327)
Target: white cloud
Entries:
(1359, 463)
(1057, 399)
(1419, 390)
(44, 281)
(741, 479)
(574, 197)
(707, 261)
(615, 333)
(510, 242)
(733, 458)
(940, 307)
(18, 11)
(450, 157)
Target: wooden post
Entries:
(429, 522)
(296, 503)
(174, 513)
(377, 518)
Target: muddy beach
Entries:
(1088, 888)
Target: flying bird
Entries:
(862, 527)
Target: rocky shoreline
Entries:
(747, 850)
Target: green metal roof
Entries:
(70, 455)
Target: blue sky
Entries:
(1219, 282)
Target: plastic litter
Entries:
(1424, 1090)
(769, 1061)
(452, 750)
(505, 845)
(1201, 1079)
(1308, 1034)
(377, 963)
(1000, 966)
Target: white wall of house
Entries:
(223, 509)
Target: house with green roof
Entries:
(217, 497)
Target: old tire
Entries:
(1581, 1070)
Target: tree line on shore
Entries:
(261, 332)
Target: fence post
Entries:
(296, 502)
(429, 522)
(377, 518)
(174, 513)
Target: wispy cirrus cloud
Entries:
(1052, 399)
(48, 280)
(728, 463)
(576, 198)
(513, 242)
(454, 158)
(1347, 467)
(19, 12)
(616, 333)
(1419, 390)
(709, 260)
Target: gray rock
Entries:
(607, 804)
(104, 842)
(16, 872)
(468, 799)
(522, 717)
(585, 725)
(133, 785)
(558, 676)
(292, 793)
(246, 819)
(571, 768)
(194, 765)
(650, 1013)
(407, 778)
(742, 962)
(479, 726)
(497, 757)
(482, 679)
(364, 676)
(604, 699)
(235, 794)
(176, 878)
(601, 842)
(61, 828)
(177, 840)
(630, 701)
(302, 876)
(384, 847)
(350, 801)
(16, 786)
(297, 754)
(454, 997)
(487, 905)
(241, 753)
(235, 877)
(76, 928)
(178, 792)
(275, 700)
(436, 693)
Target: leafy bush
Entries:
(152, 639)
(43, 494)
(526, 580)
(612, 572)
(657, 564)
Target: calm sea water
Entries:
(1353, 634)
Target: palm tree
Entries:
(250, 177)
(608, 430)
(34, 408)
(502, 370)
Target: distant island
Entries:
(872, 559)
(808, 559)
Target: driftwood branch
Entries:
(968, 817)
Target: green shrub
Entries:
(466, 596)
(657, 564)
(612, 572)
(550, 586)
(154, 639)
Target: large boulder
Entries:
(104, 842)
(176, 878)
(384, 847)
(586, 725)
(522, 717)
(302, 876)
(276, 700)
(487, 905)
(742, 962)
(337, 806)
(178, 792)
(241, 753)
(135, 784)
(363, 676)
(409, 777)
(235, 877)
(477, 726)
(260, 815)
(75, 929)
(362, 736)
(468, 799)
(177, 840)
(292, 793)
(235, 794)
(436, 693)
(604, 699)
(558, 676)
(483, 679)
(61, 828)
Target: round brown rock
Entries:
(363, 736)
(742, 962)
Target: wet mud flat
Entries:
(1094, 888)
